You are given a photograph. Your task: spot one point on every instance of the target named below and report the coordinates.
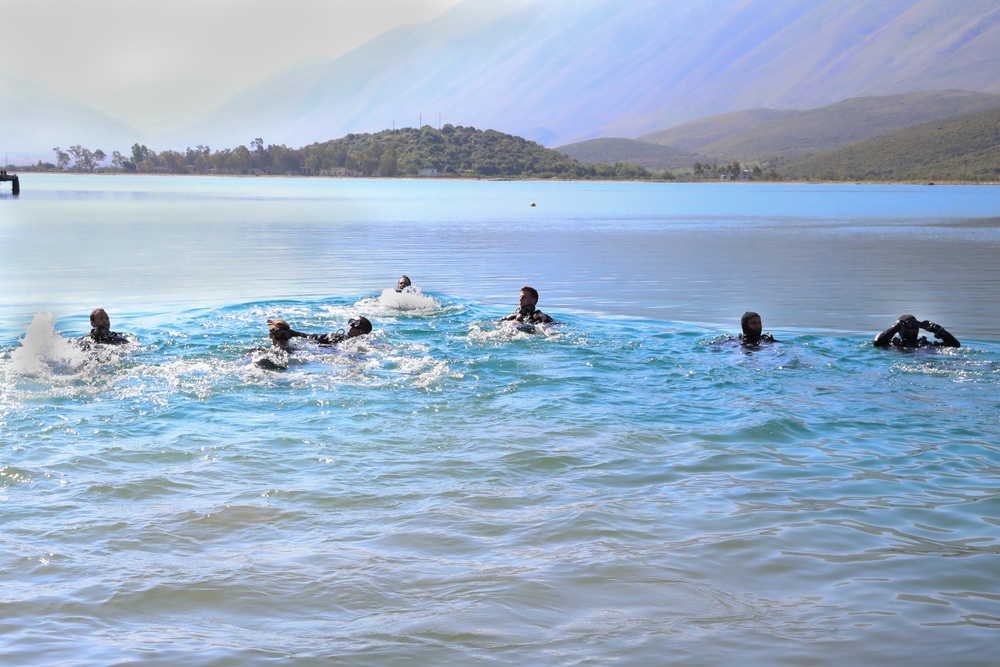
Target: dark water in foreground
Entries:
(617, 488)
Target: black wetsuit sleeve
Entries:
(884, 339)
(327, 338)
(942, 334)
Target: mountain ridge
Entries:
(633, 151)
(965, 147)
(30, 113)
(849, 121)
(776, 137)
(522, 69)
(562, 71)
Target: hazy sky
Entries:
(135, 58)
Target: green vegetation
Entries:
(966, 148)
(940, 135)
(641, 153)
(696, 134)
(455, 152)
(83, 159)
(957, 148)
(452, 151)
(799, 134)
(733, 171)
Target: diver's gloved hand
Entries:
(930, 326)
(329, 338)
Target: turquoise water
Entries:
(621, 487)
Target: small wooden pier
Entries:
(14, 182)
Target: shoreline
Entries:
(678, 181)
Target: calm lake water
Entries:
(624, 487)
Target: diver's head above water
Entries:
(280, 333)
(99, 319)
(528, 299)
(358, 326)
(752, 326)
(909, 328)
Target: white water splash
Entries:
(501, 332)
(43, 351)
(411, 299)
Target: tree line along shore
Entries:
(448, 152)
(942, 153)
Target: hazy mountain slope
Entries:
(33, 120)
(775, 136)
(966, 147)
(695, 134)
(644, 154)
(802, 132)
(559, 70)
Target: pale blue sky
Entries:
(158, 63)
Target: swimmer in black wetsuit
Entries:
(752, 328)
(526, 313)
(281, 334)
(908, 329)
(403, 284)
(276, 355)
(101, 330)
(358, 326)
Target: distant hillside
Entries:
(800, 133)
(963, 148)
(610, 151)
(563, 71)
(774, 137)
(696, 134)
(560, 71)
(33, 120)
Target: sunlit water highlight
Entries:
(617, 488)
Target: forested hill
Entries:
(452, 151)
(796, 134)
(651, 156)
(965, 148)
